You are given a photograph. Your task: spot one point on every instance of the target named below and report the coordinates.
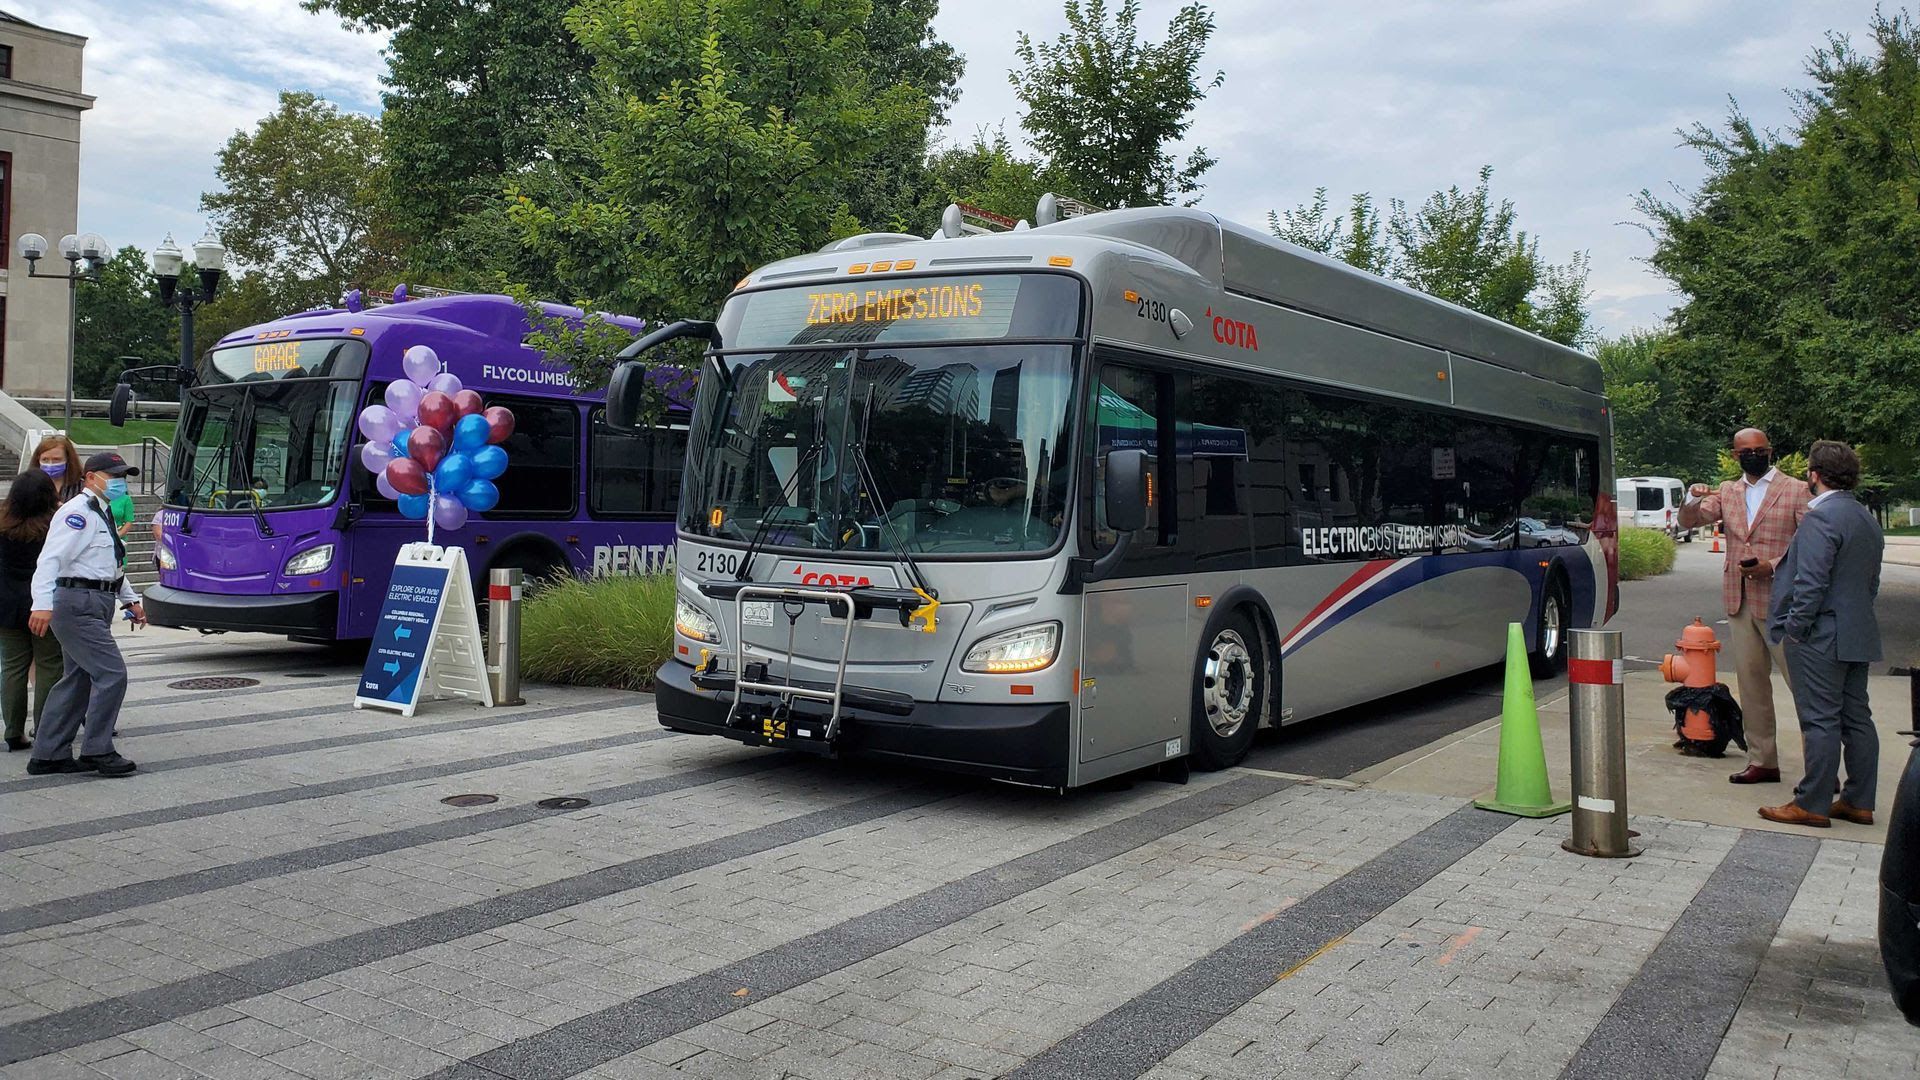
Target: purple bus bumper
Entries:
(314, 615)
(1026, 744)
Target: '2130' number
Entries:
(1154, 310)
(716, 562)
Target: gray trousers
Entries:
(1836, 725)
(96, 680)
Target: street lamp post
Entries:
(209, 259)
(88, 248)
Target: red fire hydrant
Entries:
(1694, 667)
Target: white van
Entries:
(1653, 502)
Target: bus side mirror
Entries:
(626, 394)
(1128, 491)
(120, 405)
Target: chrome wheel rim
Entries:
(1550, 631)
(1226, 683)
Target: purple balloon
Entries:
(403, 398)
(378, 423)
(446, 382)
(385, 487)
(449, 512)
(421, 364)
(375, 455)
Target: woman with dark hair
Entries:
(24, 516)
(58, 459)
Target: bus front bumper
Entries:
(306, 615)
(1025, 744)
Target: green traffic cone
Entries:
(1521, 787)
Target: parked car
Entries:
(1653, 502)
(1900, 891)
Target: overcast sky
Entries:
(1574, 104)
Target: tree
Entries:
(119, 316)
(987, 173)
(1654, 432)
(1799, 257)
(301, 194)
(722, 136)
(1103, 107)
(474, 95)
(1461, 246)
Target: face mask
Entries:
(55, 470)
(117, 488)
(1755, 462)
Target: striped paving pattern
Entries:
(283, 895)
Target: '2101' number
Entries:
(716, 562)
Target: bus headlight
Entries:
(1014, 652)
(690, 621)
(167, 561)
(310, 561)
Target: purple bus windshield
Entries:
(271, 524)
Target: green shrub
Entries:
(613, 631)
(1645, 553)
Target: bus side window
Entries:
(635, 475)
(1134, 409)
(541, 454)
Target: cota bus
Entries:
(1113, 492)
(271, 524)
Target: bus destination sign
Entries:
(963, 300)
(979, 307)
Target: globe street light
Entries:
(209, 260)
(89, 249)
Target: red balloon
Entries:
(438, 411)
(499, 424)
(407, 476)
(468, 402)
(425, 446)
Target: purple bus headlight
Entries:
(167, 561)
(311, 561)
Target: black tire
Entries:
(1229, 692)
(1549, 655)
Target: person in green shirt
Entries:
(120, 503)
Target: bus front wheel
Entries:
(1230, 690)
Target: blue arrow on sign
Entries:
(392, 667)
(402, 633)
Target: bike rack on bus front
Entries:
(792, 603)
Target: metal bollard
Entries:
(503, 635)
(1599, 719)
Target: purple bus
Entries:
(271, 525)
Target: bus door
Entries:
(1135, 651)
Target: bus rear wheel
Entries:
(1549, 655)
(1229, 693)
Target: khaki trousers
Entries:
(1754, 659)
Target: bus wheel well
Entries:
(1254, 606)
(537, 556)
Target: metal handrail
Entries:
(155, 459)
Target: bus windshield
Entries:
(965, 448)
(269, 426)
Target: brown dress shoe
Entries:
(1846, 812)
(1791, 814)
(1754, 774)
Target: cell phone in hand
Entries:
(1749, 562)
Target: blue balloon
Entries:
(471, 433)
(400, 443)
(480, 496)
(489, 462)
(415, 506)
(453, 473)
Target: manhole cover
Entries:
(213, 682)
(564, 802)
(306, 674)
(470, 800)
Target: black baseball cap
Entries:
(112, 464)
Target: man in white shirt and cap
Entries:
(75, 587)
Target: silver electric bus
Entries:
(1112, 492)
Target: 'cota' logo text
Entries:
(811, 577)
(1233, 332)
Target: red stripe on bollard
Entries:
(1594, 672)
(502, 592)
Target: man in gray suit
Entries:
(1823, 597)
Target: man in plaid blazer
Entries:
(1759, 512)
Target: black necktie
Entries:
(119, 545)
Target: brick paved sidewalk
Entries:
(280, 893)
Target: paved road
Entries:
(1652, 614)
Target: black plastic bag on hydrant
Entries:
(1717, 702)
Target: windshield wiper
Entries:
(745, 572)
(194, 479)
(888, 529)
(240, 461)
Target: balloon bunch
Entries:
(434, 447)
